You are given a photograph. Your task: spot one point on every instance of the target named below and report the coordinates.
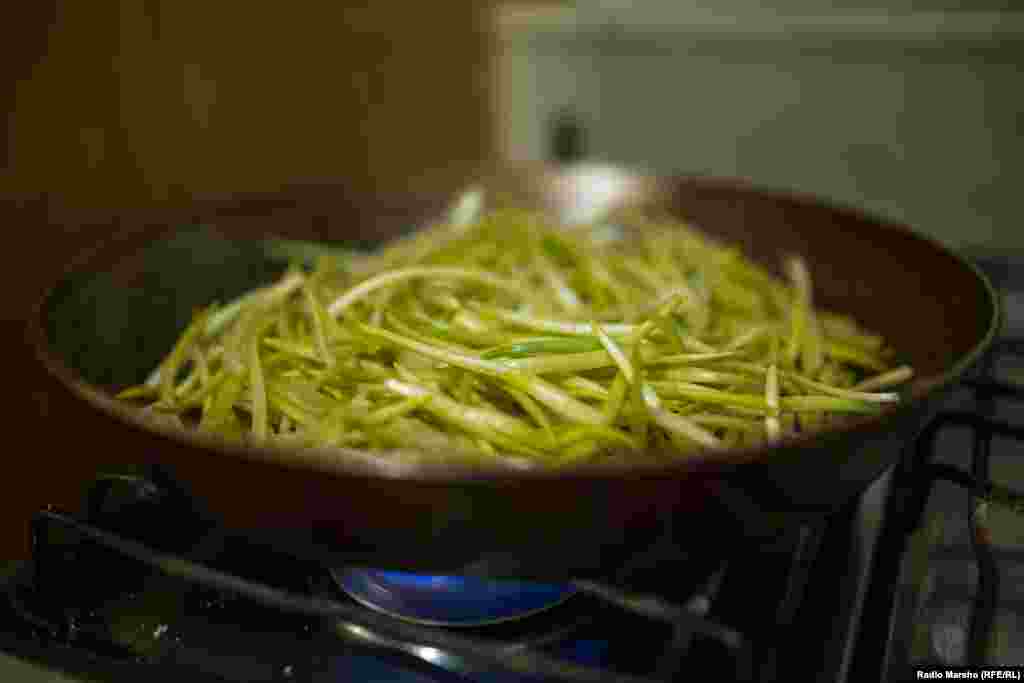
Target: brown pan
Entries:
(110, 320)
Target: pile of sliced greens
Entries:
(502, 333)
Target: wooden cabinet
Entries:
(156, 100)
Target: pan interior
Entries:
(112, 326)
(112, 321)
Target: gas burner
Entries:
(449, 600)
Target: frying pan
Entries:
(111, 318)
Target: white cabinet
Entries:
(914, 117)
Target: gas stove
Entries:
(197, 601)
(919, 571)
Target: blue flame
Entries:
(468, 585)
(450, 599)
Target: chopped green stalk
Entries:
(555, 248)
(844, 330)
(426, 379)
(220, 319)
(742, 367)
(611, 435)
(541, 345)
(319, 324)
(200, 371)
(682, 426)
(828, 404)
(444, 355)
(892, 378)
(616, 398)
(396, 410)
(153, 379)
(694, 345)
(702, 394)
(283, 405)
(555, 399)
(338, 306)
(469, 322)
(198, 397)
(752, 335)
(220, 417)
(169, 370)
(284, 328)
(666, 326)
(478, 421)
(813, 353)
(800, 279)
(581, 450)
(557, 284)
(676, 424)
(643, 274)
(563, 363)
(533, 410)
(372, 370)
(855, 356)
(441, 299)
(736, 297)
(615, 352)
(395, 322)
(681, 333)
(725, 422)
(224, 316)
(641, 333)
(665, 305)
(771, 397)
(570, 363)
(586, 387)
(303, 351)
(313, 406)
(470, 329)
(139, 392)
(684, 358)
(639, 414)
(856, 395)
(257, 391)
(704, 376)
(554, 326)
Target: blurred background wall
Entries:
(911, 109)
